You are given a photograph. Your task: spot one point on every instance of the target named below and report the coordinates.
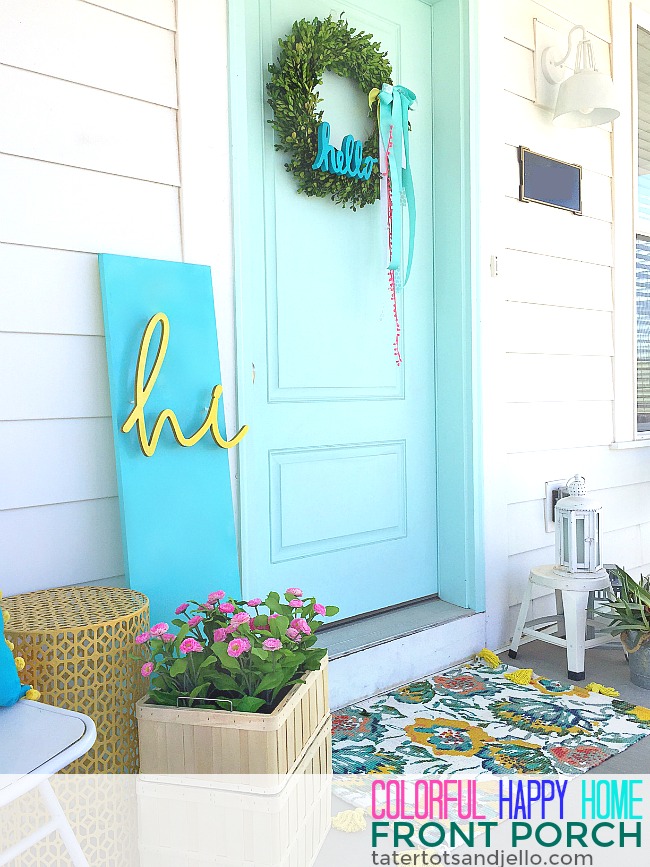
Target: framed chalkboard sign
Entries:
(549, 182)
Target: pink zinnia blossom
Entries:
(159, 629)
(191, 645)
(220, 634)
(147, 669)
(294, 591)
(254, 602)
(231, 628)
(238, 646)
(206, 606)
(295, 603)
(293, 634)
(242, 617)
(194, 621)
(213, 598)
(272, 644)
(319, 609)
(226, 608)
(142, 638)
(168, 636)
(301, 625)
(182, 608)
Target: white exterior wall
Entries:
(92, 110)
(555, 295)
(89, 162)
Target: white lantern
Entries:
(577, 532)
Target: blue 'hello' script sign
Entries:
(349, 160)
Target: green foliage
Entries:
(241, 658)
(311, 48)
(631, 611)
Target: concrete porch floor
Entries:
(607, 665)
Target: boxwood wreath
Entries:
(308, 51)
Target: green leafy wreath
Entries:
(311, 48)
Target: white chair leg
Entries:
(575, 619)
(559, 610)
(63, 826)
(521, 620)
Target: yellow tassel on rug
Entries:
(603, 690)
(522, 676)
(350, 821)
(490, 657)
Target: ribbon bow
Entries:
(394, 104)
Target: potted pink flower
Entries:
(226, 663)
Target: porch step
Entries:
(387, 655)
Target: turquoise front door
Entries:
(337, 474)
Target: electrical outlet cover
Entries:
(549, 502)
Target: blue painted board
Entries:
(176, 506)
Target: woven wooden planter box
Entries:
(281, 829)
(187, 741)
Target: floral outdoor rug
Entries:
(471, 719)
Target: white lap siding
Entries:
(556, 273)
(88, 163)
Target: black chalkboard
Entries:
(549, 182)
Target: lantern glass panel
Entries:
(580, 540)
(565, 540)
(597, 535)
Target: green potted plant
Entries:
(630, 620)
(237, 687)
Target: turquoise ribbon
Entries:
(394, 104)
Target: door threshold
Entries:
(352, 636)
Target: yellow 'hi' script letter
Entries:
(142, 391)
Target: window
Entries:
(642, 232)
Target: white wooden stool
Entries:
(572, 597)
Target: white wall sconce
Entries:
(578, 548)
(583, 99)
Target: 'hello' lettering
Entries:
(348, 161)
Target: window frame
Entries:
(626, 225)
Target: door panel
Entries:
(338, 471)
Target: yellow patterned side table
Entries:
(78, 643)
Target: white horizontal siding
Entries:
(539, 229)
(88, 44)
(49, 291)
(644, 530)
(518, 16)
(623, 507)
(49, 205)
(53, 376)
(519, 70)
(532, 427)
(70, 543)
(56, 461)
(539, 378)
(541, 328)
(88, 163)
(555, 272)
(86, 128)
(159, 12)
(524, 123)
(537, 278)
(603, 468)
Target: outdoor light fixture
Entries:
(585, 98)
(577, 533)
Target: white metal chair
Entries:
(36, 741)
